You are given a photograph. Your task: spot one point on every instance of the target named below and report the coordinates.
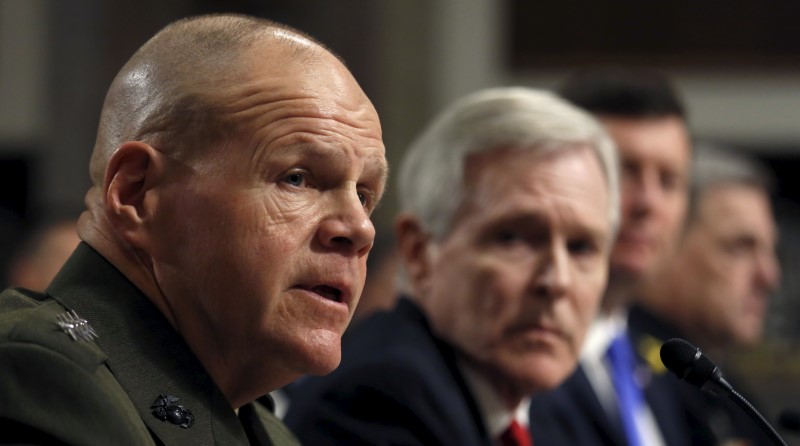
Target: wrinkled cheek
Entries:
(498, 297)
(476, 333)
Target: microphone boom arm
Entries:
(689, 364)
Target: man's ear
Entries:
(133, 170)
(414, 245)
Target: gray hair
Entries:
(716, 165)
(431, 175)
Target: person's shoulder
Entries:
(401, 335)
(391, 359)
(15, 299)
(29, 322)
(83, 403)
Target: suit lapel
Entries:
(464, 412)
(647, 334)
(581, 391)
(145, 354)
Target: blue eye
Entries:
(296, 179)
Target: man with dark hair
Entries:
(609, 399)
(224, 246)
(623, 93)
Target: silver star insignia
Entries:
(78, 329)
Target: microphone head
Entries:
(688, 362)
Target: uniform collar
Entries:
(145, 353)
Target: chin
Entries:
(321, 354)
(321, 368)
(748, 339)
(543, 375)
(631, 269)
(632, 259)
(542, 382)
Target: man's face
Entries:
(725, 267)
(266, 237)
(517, 280)
(655, 157)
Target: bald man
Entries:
(224, 246)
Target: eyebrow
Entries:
(537, 218)
(303, 147)
(380, 164)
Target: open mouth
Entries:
(328, 292)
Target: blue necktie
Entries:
(629, 394)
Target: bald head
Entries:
(238, 141)
(171, 92)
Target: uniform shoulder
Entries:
(29, 320)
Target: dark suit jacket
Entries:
(397, 385)
(686, 416)
(573, 414)
(711, 419)
(54, 390)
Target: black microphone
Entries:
(690, 365)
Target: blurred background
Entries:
(737, 65)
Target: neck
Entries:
(240, 383)
(131, 262)
(509, 395)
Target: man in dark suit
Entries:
(224, 246)
(611, 399)
(715, 290)
(509, 205)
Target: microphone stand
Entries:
(747, 407)
(691, 366)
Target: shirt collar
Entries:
(601, 333)
(496, 416)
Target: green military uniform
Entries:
(105, 390)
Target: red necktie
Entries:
(515, 435)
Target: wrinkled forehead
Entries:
(273, 72)
(296, 95)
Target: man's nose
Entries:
(645, 192)
(347, 227)
(768, 270)
(554, 277)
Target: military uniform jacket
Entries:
(103, 391)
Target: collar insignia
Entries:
(77, 328)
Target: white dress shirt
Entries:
(495, 414)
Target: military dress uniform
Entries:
(93, 362)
